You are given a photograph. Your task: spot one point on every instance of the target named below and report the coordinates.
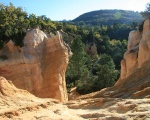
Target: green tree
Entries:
(102, 44)
(77, 64)
(13, 24)
(104, 75)
(116, 50)
(146, 13)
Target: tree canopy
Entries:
(108, 17)
(14, 23)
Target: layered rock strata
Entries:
(39, 66)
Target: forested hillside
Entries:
(108, 17)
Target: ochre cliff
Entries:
(39, 66)
(137, 54)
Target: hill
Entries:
(108, 17)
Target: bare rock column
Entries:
(144, 46)
(39, 67)
(138, 51)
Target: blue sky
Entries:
(70, 9)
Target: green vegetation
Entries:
(117, 15)
(108, 17)
(76, 68)
(146, 13)
(107, 29)
(14, 22)
(103, 75)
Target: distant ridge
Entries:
(109, 17)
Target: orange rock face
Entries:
(39, 66)
(137, 54)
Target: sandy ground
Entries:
(17, 104)
(91, 109)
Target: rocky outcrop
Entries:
(134, 81)
(8, 89)
(91, 49)
(137, 54)
(73, 94)
(14, 102)
(39, 66)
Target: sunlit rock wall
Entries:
(39, 66)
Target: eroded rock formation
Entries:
(137, 54)
(92, 49)
(39, 66)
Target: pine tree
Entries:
(76, 68)
(104, 75)
(146, 13)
